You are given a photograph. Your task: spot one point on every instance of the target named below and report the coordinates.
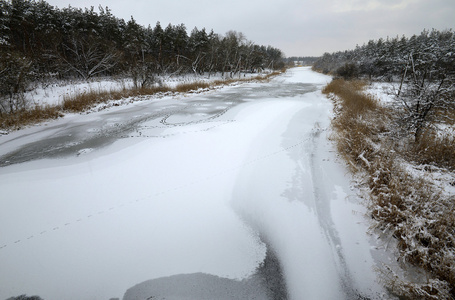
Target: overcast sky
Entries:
(297, 27)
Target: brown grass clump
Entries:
(194, 86)
(359, 121)
(26, 117)
(405, 206)
(353, 99)
(81, 102)
(435, 149)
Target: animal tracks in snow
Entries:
(147, 131)
(67, 224)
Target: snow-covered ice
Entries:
(174, 188)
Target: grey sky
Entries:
(297, 27)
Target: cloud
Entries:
(371, 5)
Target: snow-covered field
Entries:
(49, 93)
(95, 204)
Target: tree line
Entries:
(422, 66)
(386, 59)
(303, 60)
(40, 42)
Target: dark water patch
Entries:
(197, 286)
(267, 283)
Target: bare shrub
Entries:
(425, 90)
(348, 71)
(16, 72)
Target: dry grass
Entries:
(434, 149)
(353, 100)
(356, 138)
(411, 209)
(81, 102)
(447, 115)
(27, 117)
(194, 86)
(84, 101)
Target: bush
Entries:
(348, 71)
(15, 75)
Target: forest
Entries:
(39, 42)
(431, 52)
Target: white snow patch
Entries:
(382, 91)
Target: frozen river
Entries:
(231, 194)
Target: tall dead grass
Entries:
(80, 102)
(353, 100)
(359, 121)
(434, 149)
(24, 117)
(408, 208)
(193, 86)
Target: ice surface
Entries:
(197, 286)
(173, 192)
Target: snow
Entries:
(382, 91)
(150, 183)
(308, 218)
(53, 93)
(191, 191)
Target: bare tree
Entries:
(15, 75)
(424, 90)
(87, 59)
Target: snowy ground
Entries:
(53, 93)
(93, 205)
(383, 91)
